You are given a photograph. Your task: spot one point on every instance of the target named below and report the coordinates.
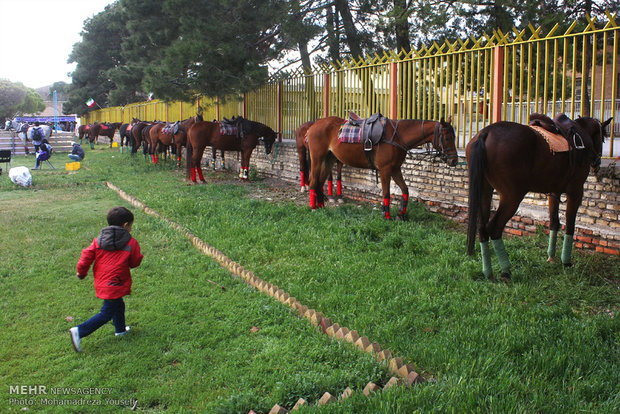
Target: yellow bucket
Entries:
(115, 145)
(72, 166)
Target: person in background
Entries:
(77, 153)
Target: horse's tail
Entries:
(476, 166)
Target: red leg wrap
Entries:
(312, 199)
(330, 188)
(403, 204)
(194, 174)
(303, 179)
(339, 188)
(200, 176)
(386, 208)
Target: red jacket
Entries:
(114, 252)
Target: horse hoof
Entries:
(340, 200)
(302, 189)
(567, 264)
(331, 200)
(401, 217)
(505, 277)
(551, 260)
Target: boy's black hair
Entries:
(119, 216)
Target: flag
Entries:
(91, 102)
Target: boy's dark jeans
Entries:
(112, 309)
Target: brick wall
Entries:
(444, 190)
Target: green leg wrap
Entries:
(553, 238)
(500, 251)
(567, 250)
(487, 270)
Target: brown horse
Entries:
(84, 132)
(387, 156)
(105, 129)
(514, 159)
(304, 164)
(162, 134)
(204, 134)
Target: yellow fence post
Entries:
(498, 83)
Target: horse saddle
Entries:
(372, 128)
(172, 129)
(239, 124)
(560, 125)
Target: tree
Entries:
(222, 48)
(97, 53)
(16, 99)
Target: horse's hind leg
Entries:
(195, 163)
(483, 220)
(318, 174)
(508, 205)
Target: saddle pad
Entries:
(170, 129)
(350, 134)
(228, 129)
(557, 143)
(104, 127)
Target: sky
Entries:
(45, 29)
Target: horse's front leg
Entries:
(385, 176)
(573, 201)
(245, 165)
(400, 182)
(554, 225)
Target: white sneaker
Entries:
(75, 339)
(127, 329)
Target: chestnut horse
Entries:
(514, 159)
(204, 134)
(387, 156)
(160, 137)
(105, 129)
(304, 164)
(84, 131)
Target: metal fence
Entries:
(473, 82)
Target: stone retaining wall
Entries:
(444, 190)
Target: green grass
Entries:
(545, 343)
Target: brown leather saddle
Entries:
(372, 128)
(561, 125)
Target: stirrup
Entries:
(368, 145)
(578, 146)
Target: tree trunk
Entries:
(401, 25)
(355, 47)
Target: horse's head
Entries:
(444, 141)
(268, 136)
(597, 132)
